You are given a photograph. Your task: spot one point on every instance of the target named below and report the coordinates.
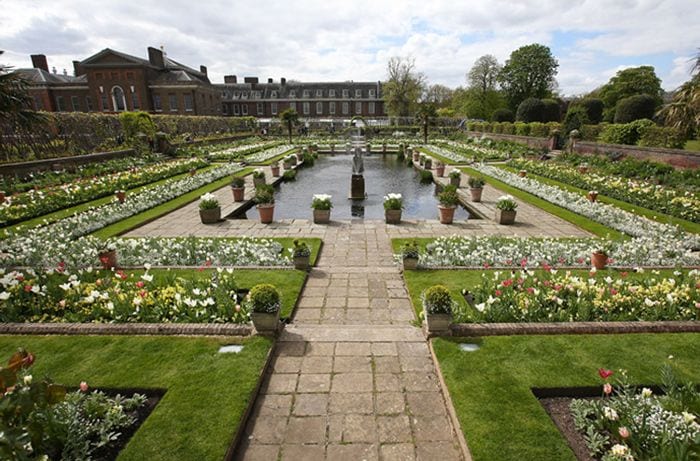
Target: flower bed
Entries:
(680, 203)
(31, 247)
(239, 152)
(268, 154)
(107, 296)
(564, 296)
(23, 206)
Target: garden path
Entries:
(351, 377)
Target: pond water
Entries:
(331, 175)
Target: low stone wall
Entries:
(24, 168)
(207, 142)
(572, 328)
(676, 157)
(161, 329)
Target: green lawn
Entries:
(207, 393)
(647, 213)
(693, 145)
(574, 218)
(491, 388)
(140, 219)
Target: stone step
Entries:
(351, 333)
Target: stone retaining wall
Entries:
(676, 157)
(159, 329)
(23, 168)
(572, 328)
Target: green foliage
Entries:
(528, 73)
(289, 118)
(410, 249)
(659, 136)
(522, 129)
(309, 160)
(506, 203)
(503, 115)
(300, 249)
(539, 130)
(437, 300)
(630, 82)
(448, 196)
(551, 111)
(264, 298)
(576, 117)
(591, 132)
(530, 110)
(238, 181)
(641, 106)
(208, 201)
(134, 123)
(426, 176)
(264, 194)
(402, 87)
(289, 175)
(683, 112)
(424, 115)
(594, 109)
(627, 133)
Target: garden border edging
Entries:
(159, 329)
(572, 328)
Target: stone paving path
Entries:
(351, 378)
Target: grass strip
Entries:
(491, 388)
(66, 212)
(207, 393)
(567, 215)
(445, 160)
(647, 213)
(137, 220)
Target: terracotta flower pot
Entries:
(287, 164)
(293, 160)
(438, 323)
(301, 263)
(266, 212)
(599, 260)
(108, 259)
(410, 264)
(121, 196)
(210, 216)
(392, 216)
(275, 171)
(476, 193)
(238, 193)
(258, 181)
(455, 181)
(264, 322)
(416, 156)
(522, 173)
(592, 197)
(2, 196)
(447, 214)
(193, 171)
(440, 171)
(505, 217)
(322, 216)
(583, 169)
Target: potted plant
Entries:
(428, 163)
(439, 169)
(332, 147)
(287, 162)
(410, 254)
(449, 200)
(416, 155)
(107, 255)
(600, 256)
(321, 204)
(583, 168)
(209, 208)
(455, 177)
(265, 200)
(193, 171)
(522, 173)
(437, 308)
(258, 177)
(263, 302)
(3, 196)
(421, 159)
(592, 196)
(121, 195)
(506, 209)
(393, 204)
(275, 167)
(238, 188)
(476, 187)
(300, 155)
(384, 147)
(301, 253)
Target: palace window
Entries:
(75, 103)
(172, 102)
(118, 99)
(60, 104)
(358, 107)
(273, 108)
(189, 106)
(346, 108)
(157, 104)
(307, 108)
(319, 108)
(331, 107)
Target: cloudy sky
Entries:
(322, 40)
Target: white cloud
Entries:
(338, 40)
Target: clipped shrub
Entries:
(426, 177)
(625, 133)
(508, 128)
(551, 111)
(576, 117)
(522, 129)
(449, 196)
(437, 300)
(264, 298)
(530, 110)
(591, 132)
(658, 136)
(635, 108)
(594, 109)
(289, 175)
(539, 129)
(503, 115)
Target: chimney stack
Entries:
(283, 81)
(77, 69)
(269, 80)
(53, 69)
(250, 79)
(155, 57)
(230, 79)
(203, 69)
(39, 61)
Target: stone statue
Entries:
(357, 164)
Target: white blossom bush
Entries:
(237, 152)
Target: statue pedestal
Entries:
(357, 187)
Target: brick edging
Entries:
(158, 329)
(573, 328)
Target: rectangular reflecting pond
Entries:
(331, 175)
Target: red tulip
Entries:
(605, 374)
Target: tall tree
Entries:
(403, 86)
(630, 82)
(440, 95)
(528, 73)
(290, 118)
(683, 112)
(470, 103)
(15, 101)
(482, 79)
